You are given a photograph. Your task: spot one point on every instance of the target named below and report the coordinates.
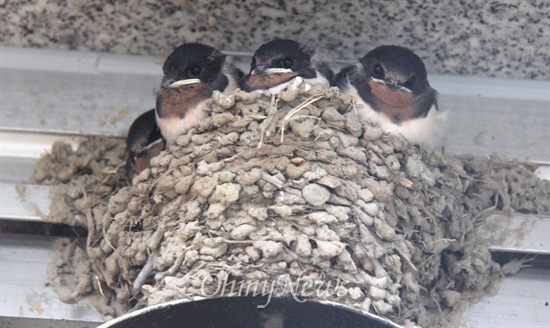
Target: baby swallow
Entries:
(144, 142)
(191, 74)
(391, 89)
(277, 62)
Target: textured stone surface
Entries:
(481, 38)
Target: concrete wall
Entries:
(507, 38)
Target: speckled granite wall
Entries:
(507, 38)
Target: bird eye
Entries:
(410, 82)
(288, 63)
(196, 70)
(378, 70)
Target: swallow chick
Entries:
(191, 74)
(276, 63)
(391, 90)
(144, 141)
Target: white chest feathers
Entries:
(427, 132)
(172, 127)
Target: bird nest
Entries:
(286, 196)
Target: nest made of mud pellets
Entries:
(292, 190)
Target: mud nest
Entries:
(281, 192)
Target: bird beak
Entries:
(169, 84)
(392, 84)
(262, 70)
(278, 71)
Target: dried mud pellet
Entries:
(302, 129)
(347, 140)
(350, 170)
(382, 307)
(206, 169)
(315, 194)
(204, 186)
(384, 230)
(226, 193)
(166, 184)
(323, 145)
(227, 139)
(281, 163)
(296, 171)
(295, 269)
(203, 125)
(365, 194)
(346, 192)
(134, 207)
(250, 190)
(227, 176)
(241, 232)
(377, 293)
(394, 300)
(401, 192)
(268, 248)
(353, 124)
(331, 116)
(392, 162)
(326, 155)
(215, 252)
(283, 211)
(346, 261)
(314, 175)
(278, 266)
(326, 234)
(154, 241)
(354, 153)
(193, 209)
(381, 172)
(322, 218)
(213, 212)
(224, 101)
(259, 213)
(375, 158)
(323, 134)
(329, 181)
(355, 293)
(337, 200)
(329, 249)
(382, 190)
(372, 133)
(253, 253)
(386, 148)
(119, 201)
(363, 217)
(305, 154)
(74, 191)
(247, 178)
(369, 208)
(286, 198)
(341, 213)
(334, 142)
(187, 230)
(439, 204)
(222, 119)
(282, 150)
(413, 167)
